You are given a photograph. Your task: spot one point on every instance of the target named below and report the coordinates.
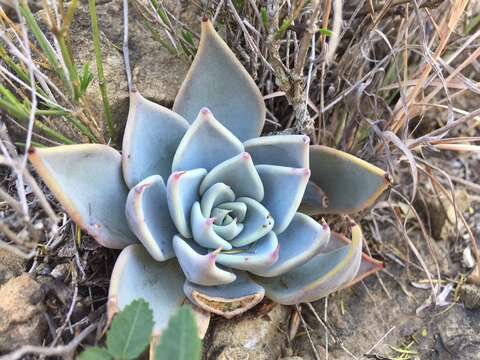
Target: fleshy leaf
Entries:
(282, 150)
(218, 81)
(321, 275)
(258, 257)
(228, 231)
(200, 269)
(237, 209)
(87, 180)
(257, 223)
(182, 193)
(314, 198)
(239, 173)
(226, 300)
(350, 183)
(136, 275)
(149, 218)
(215, 195)
(368, 266)
(206, 144)
(302, 240)
(284, 189)
(203, 231)
(152, 135)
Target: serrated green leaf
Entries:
(180, 340)
(95, 353)
(130, 332)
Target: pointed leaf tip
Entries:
(218, 81)
(151, 137)
(87, 180)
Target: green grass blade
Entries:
(98, 58)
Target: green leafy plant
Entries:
(131, 329)
(180, 340)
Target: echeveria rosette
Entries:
(205, 208)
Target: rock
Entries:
(10, 265)
(250, 336)
(22, 318)
(458, 332)
(470, 295)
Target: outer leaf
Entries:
(313, 199)
(350, 183)
(206, 144)
(136, 275)
(368, 266)
(95, 353)
(87, 180)
(182, 193)
(239, 173)
(282, 150)
(218, 81)
(302, 240)
(226, 300)
(284, 189)
(130, 331)
(321, 275)
(149, 218)
(200, 268)
(152, 135)
(180, 340)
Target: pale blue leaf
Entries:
(182, 193)
(206, 144)
(203, 231)
(320, 276)
(257, 257)
(239, 173)
(200, 268)
(350, 183)
(257, 223)
(136, 275)
(302, 240)
(218, 81)
(284, 189)
(282, 150)
(217, 194)
(151, 138)
(149, 218)
(87, 180)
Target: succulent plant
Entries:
(204, 207)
